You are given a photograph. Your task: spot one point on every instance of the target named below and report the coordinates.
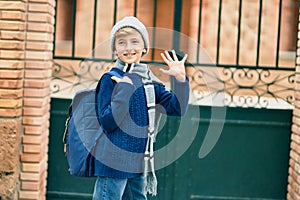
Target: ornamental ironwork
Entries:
(239, 87)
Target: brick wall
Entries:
(12, 63)
(294, 169)
(26, 36)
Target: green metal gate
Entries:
(232, 144)
(249, 161)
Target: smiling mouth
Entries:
(129, 54)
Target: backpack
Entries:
(82, 130)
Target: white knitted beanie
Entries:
(132, 22)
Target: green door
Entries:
(249, 160)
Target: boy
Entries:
(125, 168)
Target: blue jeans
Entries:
(119, 189)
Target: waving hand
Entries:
(176, 67)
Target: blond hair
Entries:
(126, 31)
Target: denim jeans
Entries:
(119, 189)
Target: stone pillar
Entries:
(26, 36)
(294, 169)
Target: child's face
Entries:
(129, 45)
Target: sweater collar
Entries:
(140, 69)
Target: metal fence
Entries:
(221, 69)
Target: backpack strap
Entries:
(114, 73)
(65, 136)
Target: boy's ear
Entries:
(144, 51)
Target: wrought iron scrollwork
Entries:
(68, 79)
(241, 87)
(244, 87)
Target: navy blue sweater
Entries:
(123, 115)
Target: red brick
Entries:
(11, 45)
(36, 36)
(30, 148)
(295, 165)
(35, 102)
(11, 25)
(294, 156)
(12, 64)
(13, 5)
(32, 167)
(37, 83)
(31, 157)
(30, 111)
(35, 64)
(290, 193)
(50, 2)
(295, 129)
(40, 74)
(294, 183)
(10, 112)
(292, 162)
(294, 176)
(28, 195)
(40, 27)
(11, 84)
(10, 103)
(40, 17)
(10, 93)
(25, 176)
(296, 120)
(29, 92)
(39, 55)
(289, 197)
(12, 35)
(36, 130)
(32, 139)
(35, 120)
(11, 73)
(296, 111)
(12, 54)
(39, 7)
(295, 137)
(12, 15)
(30, 185)
(39, 46)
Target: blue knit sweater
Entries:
(123, 115)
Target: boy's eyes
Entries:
(135, 41)
(123, 42)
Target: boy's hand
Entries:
(176, 67)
